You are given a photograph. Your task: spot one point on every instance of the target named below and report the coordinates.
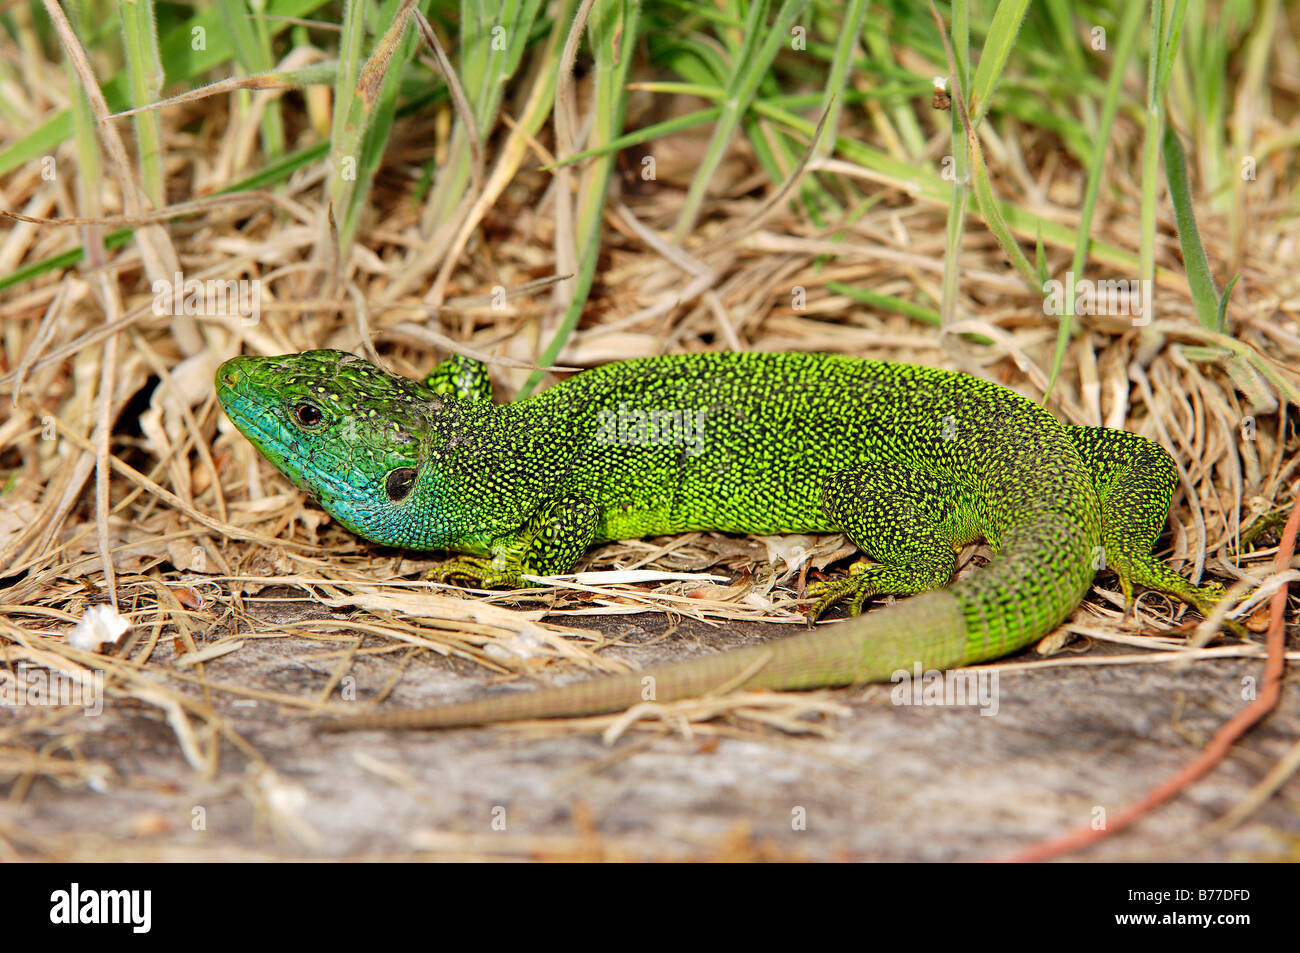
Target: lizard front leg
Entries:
(550, 542)
(460, 376)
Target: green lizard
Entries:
(910, 462)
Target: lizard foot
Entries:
(1158, 577)
(856, 587)
(475, 571)
(1203, 598)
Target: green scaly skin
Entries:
(910, 462)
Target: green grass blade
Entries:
(759, 47)
(252, 45)
(612, 32)
(183, 57)
(1096, 165)
(144, 76)
(993, 58)
(364, 110)
(958, 166)
(1199, 277)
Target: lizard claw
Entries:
(474, 571)
(1201, 598)
(856, 587)
(1204, 599)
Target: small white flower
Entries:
(101, 625)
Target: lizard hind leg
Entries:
(1135, 479)
(909, 524)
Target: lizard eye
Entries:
(399, 483)
(308, 415)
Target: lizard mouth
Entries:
(253, 418)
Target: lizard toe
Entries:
(854, 587)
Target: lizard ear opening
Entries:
(399, 482)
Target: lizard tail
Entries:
(928, 629)
(1041, 573)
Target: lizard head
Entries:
(347, 432)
